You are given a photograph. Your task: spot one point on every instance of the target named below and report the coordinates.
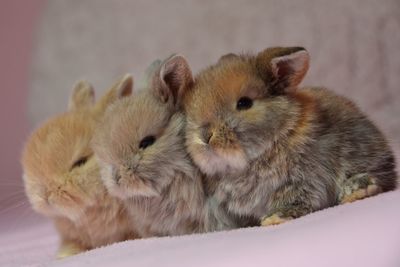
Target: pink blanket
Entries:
(364, 233)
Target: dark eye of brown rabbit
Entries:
(244, 103)
(147, 141)
(81, 161)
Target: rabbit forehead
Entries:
(52, 148)
(127, 123)
(219, 87)
(147, 115)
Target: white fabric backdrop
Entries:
(354, 45)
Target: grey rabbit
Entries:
(273, 152)
(140, 145)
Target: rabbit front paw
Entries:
(274, 219)
(68, 249)
(358, 187)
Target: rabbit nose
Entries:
(116, 175)
(51, 199)
(207, 133)
(208, 137)
(222, 135)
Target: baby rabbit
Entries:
(273, 152)
(62, 178)
(141, 146)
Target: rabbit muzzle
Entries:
(222, 151)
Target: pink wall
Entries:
(17, 22)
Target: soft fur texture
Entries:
(160, 186)
(292, 151)
(62, 177)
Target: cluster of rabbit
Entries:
(237, 145)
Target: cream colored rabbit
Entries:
(62, 177)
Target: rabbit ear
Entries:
(82, 96)
(122, 88)
(227, 57)
(149, 74)
(174, 78)
(285, 66)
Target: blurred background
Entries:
(46, 46)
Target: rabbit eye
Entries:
(147, 141)
(244, 103)
(79, 162)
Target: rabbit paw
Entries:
(274, 219)
(69, 249)
(358, 187)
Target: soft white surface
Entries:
(364, 233)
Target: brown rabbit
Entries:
(141, 146)
(273, 152)
(62, 177)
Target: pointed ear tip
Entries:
(300, 54)
(82, 94)
(127, 79)
(125, 86)
(179, 57)
(303, 55)
(303, 52)
(127, 76)
(175, 61)
(83, 85)
(300, 51)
